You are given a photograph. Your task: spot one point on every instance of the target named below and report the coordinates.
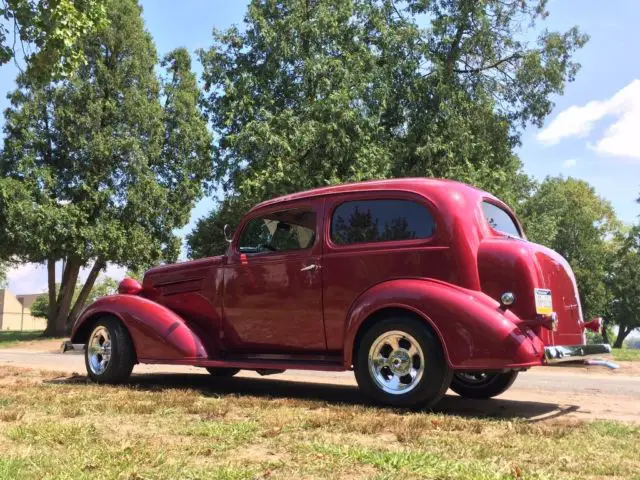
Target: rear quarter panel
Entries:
(476, 334)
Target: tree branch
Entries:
(496, 64)
(86, 290)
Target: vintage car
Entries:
(418, 285)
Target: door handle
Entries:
(310, 268)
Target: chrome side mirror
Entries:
(228, 234)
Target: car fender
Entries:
(474, 331)
(157, 332)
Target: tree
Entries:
(103, 166)
(49, 32)
(103, 286)
(623, 281)
(565, 214)
(313, 92)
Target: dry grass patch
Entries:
(59, 429)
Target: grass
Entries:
(58, 428)
(626, 354)
(10, 338)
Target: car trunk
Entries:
(513, 265)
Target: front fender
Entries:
(157, 332)
(475, 333)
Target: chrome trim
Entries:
(99, 350)
(68, 347)
(571, 353)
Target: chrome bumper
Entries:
(572, 353)
(68, 347)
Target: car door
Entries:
(273, 282)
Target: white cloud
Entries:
(570, 163)
(32, 277)
(621, 138)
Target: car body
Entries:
(307, 277)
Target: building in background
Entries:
(15, 312)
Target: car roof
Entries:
(416, 185)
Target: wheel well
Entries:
(378, 315)
(82, 334)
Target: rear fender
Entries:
(157, 332)
(475, 332)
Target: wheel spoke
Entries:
(380, 362)
(394, 342)
(396, 362)
(394, 382)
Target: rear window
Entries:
(380, 221)
(500, 220)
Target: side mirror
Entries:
(228, 234)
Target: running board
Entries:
(252, 363)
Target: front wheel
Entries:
(482, 384)
(400, 362)
(109, 355)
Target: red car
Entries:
(417, 285)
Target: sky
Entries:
(593, 132)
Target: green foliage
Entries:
(317, 93)
(207, 238)
(40, 307)
(54, 29)
(567, 216)
(623, 281)
(106, 164)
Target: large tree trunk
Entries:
(67, 289)
(60, 304)
(84, 293)
(605, 331)
(623, 332)
(51, 329)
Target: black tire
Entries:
(118, 367)
(483, 385)
(222, 371)
(436, 374)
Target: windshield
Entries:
(500, 220)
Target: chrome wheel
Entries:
(396, 362)
(99, 350)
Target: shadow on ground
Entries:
(335, 394)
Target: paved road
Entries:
(542, 393)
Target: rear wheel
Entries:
(482, 384)
(400, 362)
(222, 372)
(109, 354)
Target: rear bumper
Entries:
(572, 353)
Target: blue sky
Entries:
(593, 132)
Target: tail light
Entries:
(595, 325)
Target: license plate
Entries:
(544, 305)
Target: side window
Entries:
(500, 220)
(380, 221)
(279, 232)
